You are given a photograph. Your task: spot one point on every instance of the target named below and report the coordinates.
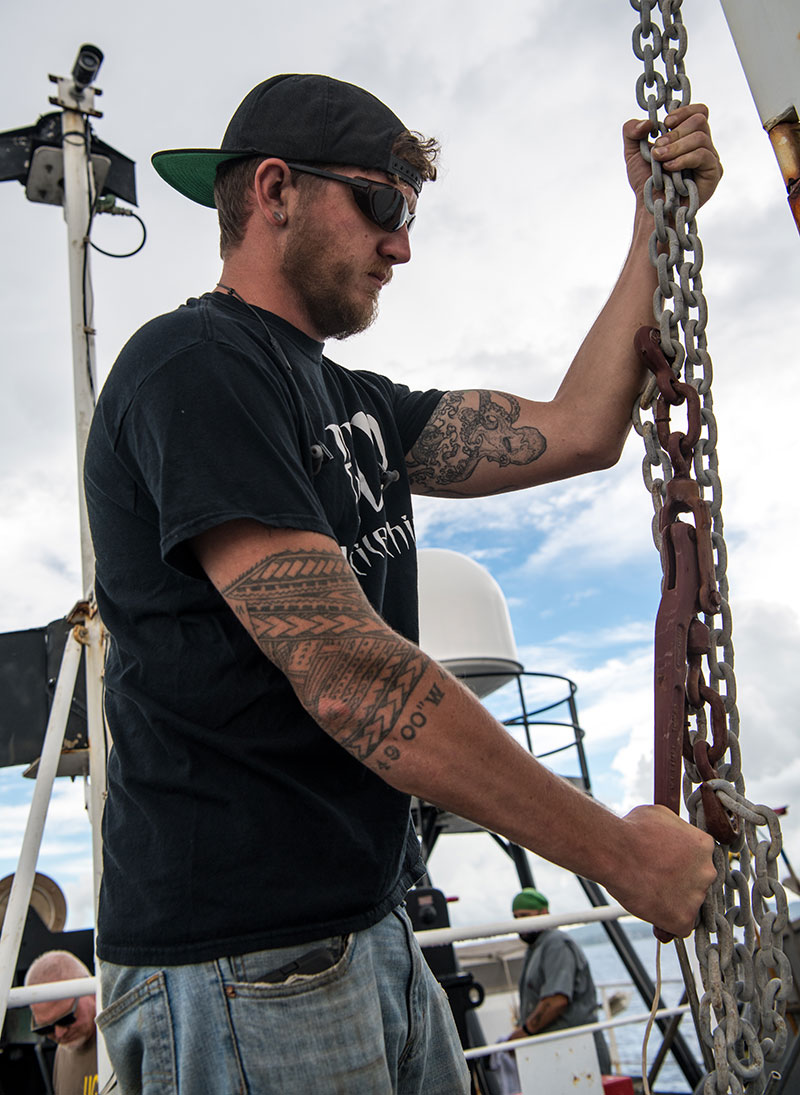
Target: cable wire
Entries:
(118, 211)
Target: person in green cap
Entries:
(556, 989)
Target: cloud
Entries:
(39, 547)
(65, 854)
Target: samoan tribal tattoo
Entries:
(458, 436)
(310, 618)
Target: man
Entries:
(556, 989)
(68, 1022)
(271, 714)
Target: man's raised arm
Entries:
(487, 442)
(403, 716)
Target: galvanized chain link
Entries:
(745, 974)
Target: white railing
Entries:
(573, 1032)
(439, 936)
(26, 995)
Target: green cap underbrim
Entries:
(193, 171)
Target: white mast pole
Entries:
(79, 196)
(76, 98)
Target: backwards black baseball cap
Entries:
(305, 118)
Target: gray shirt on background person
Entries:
(556, 965)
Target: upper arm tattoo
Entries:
(458, 436)
(351, 672)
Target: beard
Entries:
(325, 283)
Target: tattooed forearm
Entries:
(458, 436)
(411, 722)
(354, 675)
(363, 686)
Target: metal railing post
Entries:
(22, 887)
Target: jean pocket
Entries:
(138, 1032)
(287, 970)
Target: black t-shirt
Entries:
(233, 822)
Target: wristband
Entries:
(525, 1028)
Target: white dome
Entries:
(464, 621)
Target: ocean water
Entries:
(626, 1042)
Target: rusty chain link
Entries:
(746, 976)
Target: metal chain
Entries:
(739, 944)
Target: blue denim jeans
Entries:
(375, 1022)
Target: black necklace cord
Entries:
(276, 346)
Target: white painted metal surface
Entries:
(560, 1068)
(464, 620)
(436, 937)
(98, 745)
(767, 38)
(26, 995)
(79, 197)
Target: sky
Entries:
(516, 248)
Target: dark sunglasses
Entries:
(380, 202)
(65, 1021)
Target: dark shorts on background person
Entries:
(375, 1022)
